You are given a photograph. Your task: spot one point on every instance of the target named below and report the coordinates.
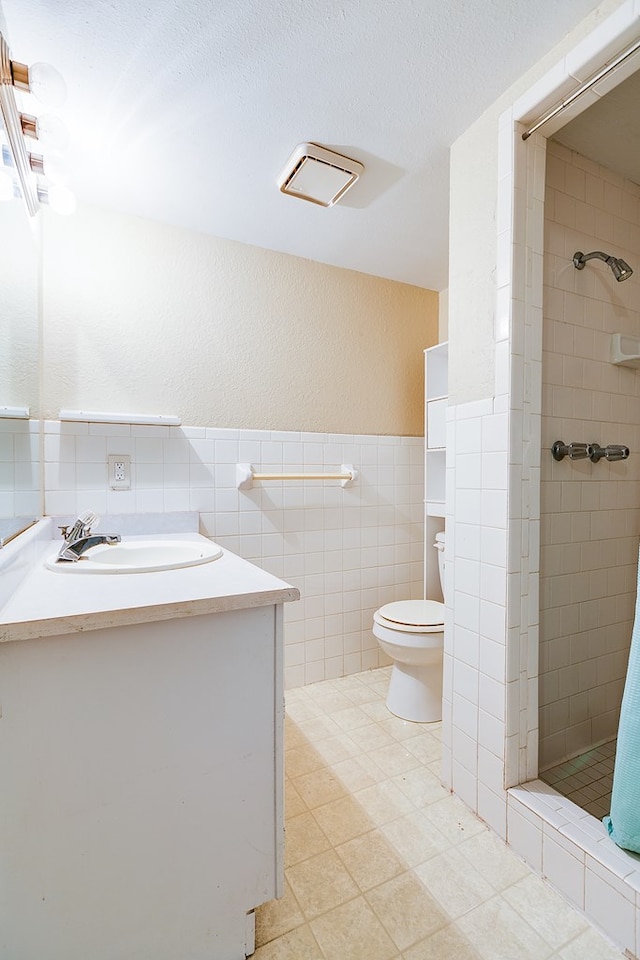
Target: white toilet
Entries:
(411, 632)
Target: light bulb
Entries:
(47, 84)
(61, 200)
(55, 169)
(52, 132)
(6, 186)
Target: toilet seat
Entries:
(412, 616)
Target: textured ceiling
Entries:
(186, 110)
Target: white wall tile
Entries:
(348, 550)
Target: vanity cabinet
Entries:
(142, 787)
(435, 412)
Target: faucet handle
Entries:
(616, 451)
(63, 530)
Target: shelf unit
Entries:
(435, 412)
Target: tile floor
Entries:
(587, 779)
(382, 863)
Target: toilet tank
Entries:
(439, 545)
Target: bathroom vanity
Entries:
(141, 750)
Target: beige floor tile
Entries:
(356, 773)
(294, 805)
(435, 766)
(277, 917)
(547, 913)
(378, 710)
(300, 708)
(381, 687)
(374, 676)
(589, 945)
(334, 749)
(293, 736)
(329, 697)
(394, 758)
(384, 802)
(321, 883)
(361, 693)
(300, 944)
(351, 718)
(304, 838)
(302, 759)
(318, 787)
(446, 944)
(342, 820)
(426, 747)
(414, 838)
(401, 729)
(371, 737)
(370, 859)
(424, 846)
(353, 932)
(405, 909)
(421, 786)
(493, 859)
(453, 819)
(497, 932)
(455, 884)
(319, 727)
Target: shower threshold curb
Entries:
(572, 851)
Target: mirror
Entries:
(19, 373)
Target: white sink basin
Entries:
(139, 556)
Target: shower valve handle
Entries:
(575, 451)
(613, 451)
(616, 451)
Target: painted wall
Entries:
(144, 317)
(272, 360)
(475, 310)
(590, 513)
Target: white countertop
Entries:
(50, 603)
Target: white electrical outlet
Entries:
(119, 471)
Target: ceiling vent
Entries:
(319, 175)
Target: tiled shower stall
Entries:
(589, 511)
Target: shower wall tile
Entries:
(590, 517)
(349, 550)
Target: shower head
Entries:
(621, 269)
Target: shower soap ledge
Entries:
(625, 351)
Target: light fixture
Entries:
(319, 175)
(60, 198)
(48, 86)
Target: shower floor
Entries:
(586, 779)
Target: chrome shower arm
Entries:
(580, 259)
(620, 268)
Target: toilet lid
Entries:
(414, 613)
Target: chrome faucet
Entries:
(78, 538)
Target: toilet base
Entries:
(415, 693)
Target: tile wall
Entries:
(474, 721)
(348, 550)
(590, 513)
(19, 468)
